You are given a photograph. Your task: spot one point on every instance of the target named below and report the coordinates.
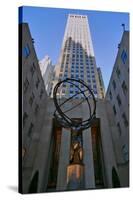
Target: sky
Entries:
(47, 27)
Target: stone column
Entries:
(63, 160)
(88, 160)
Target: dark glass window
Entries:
(72, 75)
(37, 82)
(118, 72)
(32, 97)
(36, 109)
(25, 116)
(30, 129)
(32, 69)
(124, 88)
(114, 109)
(41, 93)
(26, 51)
(124, 56)
(114, 84)
(125, 119)
(119, 128)
(71, 92)
(118, 100)
(26, 84)
(110, 95)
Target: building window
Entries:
(41, 93)
(124, 56)
(72, 75)
(32, 69)
(71, 92)
(26, 51)
(36, 109)
(25, 116)
(110, 95)
(37, 82)
(118, 72)
(125, 152)
(119, 128)
(114, 84)
(124, 88)
(114, 109)
(30, 129)
(125, 119)
(32, 97)
(118, 100)
(26, 84)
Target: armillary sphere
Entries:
(79, 93)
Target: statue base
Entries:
(75, 177)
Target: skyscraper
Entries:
(77, 59)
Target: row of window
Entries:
(125, 122)
(77, 64)
(79, 76)
(26, 84)
(25, 119)
(78, 85)
(76, 91)
(78, 56)
(123, 86)
(78, 70)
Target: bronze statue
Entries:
(76, 153)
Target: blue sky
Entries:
(47, 26)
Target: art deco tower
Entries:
(77, 59)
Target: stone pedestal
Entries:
(75, 177)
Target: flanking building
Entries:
(118, 95)
(33, 100)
